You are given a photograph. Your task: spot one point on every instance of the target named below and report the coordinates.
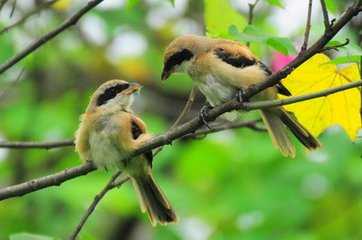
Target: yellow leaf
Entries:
(341, 108)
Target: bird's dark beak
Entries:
(165, 74)
(134, 87)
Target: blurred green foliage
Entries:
(229, 185)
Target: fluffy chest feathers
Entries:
(104, 147)
(215, 90)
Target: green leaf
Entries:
(282, 44)
(29, 236)
(276, 3)
(331, 5)
(219, 15)
(172, 2)
(346, 59)
(250, 34)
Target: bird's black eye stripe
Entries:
(177, 59)
(236, 61)
(111, 93)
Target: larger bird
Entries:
(109, 131)
(222, 69)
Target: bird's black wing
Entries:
(240, 61)
(236, 60)
(280, 87)
(136, 132)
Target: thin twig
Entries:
(291, 100)
(335, 47)
(307, 28)
(44, 145)
(96, 200)
(13, 8)
(185, 110)
(251, 15)
(27, 16)
(327, 24)
(44, 39)
(226, 126)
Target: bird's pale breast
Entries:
(104, 148)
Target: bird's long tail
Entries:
(152, 200)
(275, 119)
(300, 132)
(278, 133)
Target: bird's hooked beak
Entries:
(134, 87)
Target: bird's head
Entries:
(114, 95)
(180, 53)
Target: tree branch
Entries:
(315, 48)
(325, 15)
(291, 100)
(27, 15)
(307, 28)
(47, 37)
(47, 181)
(251, 15)
(96, 200)
(44, 145)
(193, 125)
(163, 139)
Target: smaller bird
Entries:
(109, 131)
(223, 69)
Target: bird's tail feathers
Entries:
(153, 201)
(300, 132)
(278, 133)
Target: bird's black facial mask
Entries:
(111, 93)
(175, 59)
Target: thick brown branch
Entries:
(47, 37)
(47, 181)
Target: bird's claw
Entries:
(203, 115)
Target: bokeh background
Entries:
(229, 185)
